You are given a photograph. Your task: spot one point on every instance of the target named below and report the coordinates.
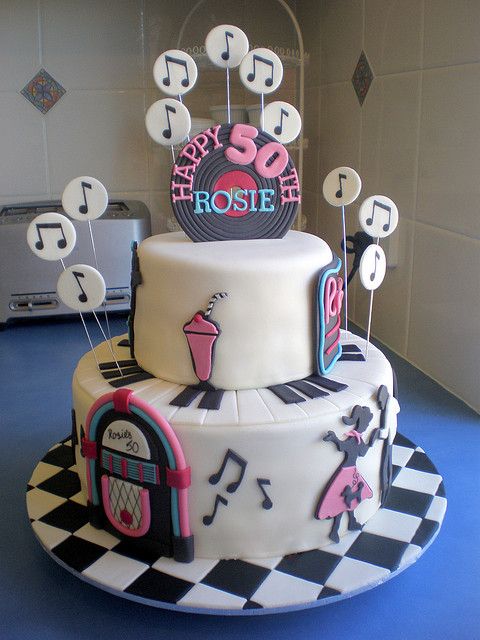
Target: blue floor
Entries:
(438, 597)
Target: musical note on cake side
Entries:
(81, 287)
(175, 72)
(261, 71)
(85, 198)
(226, 46)
(267, 501)
(51, 236)
(237, 460)
(378, 216)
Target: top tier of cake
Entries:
(266, 323)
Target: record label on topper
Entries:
(232, 182)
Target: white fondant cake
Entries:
(272, 441)
(266, 321)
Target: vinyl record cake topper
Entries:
(232, 182)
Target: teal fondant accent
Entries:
(320, 302)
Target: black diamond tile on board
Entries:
(402, 441)
(64, 484)
(314, 566)
(441, 490)
(328, 592)
(421, 462)
(136, 552)
(407, 501)
(251, 604)
(155, 585)
(425, 532)
(377, 550)
(77, 553)
(69, 516)
(61, 456)
(237, 577)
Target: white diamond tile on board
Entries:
(449, 147)
(445, 304)
(101, 134)
(341, 41)
(21, 132)
(19, 50)
(393, 35)
(451, 32)
(93, 45)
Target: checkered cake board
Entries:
(390, 542)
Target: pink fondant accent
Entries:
(271, 150)
(89, 449)
(184, 189)
(213, 134)
(144, 507)
(235, 179)
(179, 478)
(242, 136)
(333, 329)
(333, 297)
(124, 467)
(334, 344)
(157, 474)
(110, 463)
(140, 472)
(190, 151)
(201, 335)
(126, 517)
(356, 435)
(333, 503)
(197, 317)
(121, 398)
(289, 192)
(201, 141)
(179, 459)
(184, 171)
(107, 397)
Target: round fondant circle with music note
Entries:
(168, 122)
(378, 216)
(261, 71)
(226, 46)
(85, 198)
(51, 236)
(373, 266)
(175, 72)
(342, 186)
(282, 121)
(81, 287)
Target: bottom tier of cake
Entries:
(237, 474)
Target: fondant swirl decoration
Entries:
(232, 182)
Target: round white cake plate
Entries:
(389, 543)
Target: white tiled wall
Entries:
(416, 138)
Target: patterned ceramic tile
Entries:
(43, 91)
(362, 78)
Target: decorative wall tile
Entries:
(43, 91)
(341, 24)
(362, 77)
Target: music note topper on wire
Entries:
(175, 72)
(282, 121)
(226, 46)
(85, 198)
(81, 287)
(168, 122)
(51, 236)
(342, 186)
(373, 266)
(378, 216)
(261, 71)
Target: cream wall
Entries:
(416, 139)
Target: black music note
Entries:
(279, 128)
(251, 76)
(267, 503)
(207, 520)
(82, 297)
(183, 63)
(226, 54)
(167, 133)
(61, 244)
(83, 208)
(372, 275)
(339, 193)
(230, 455)
(376, 203)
